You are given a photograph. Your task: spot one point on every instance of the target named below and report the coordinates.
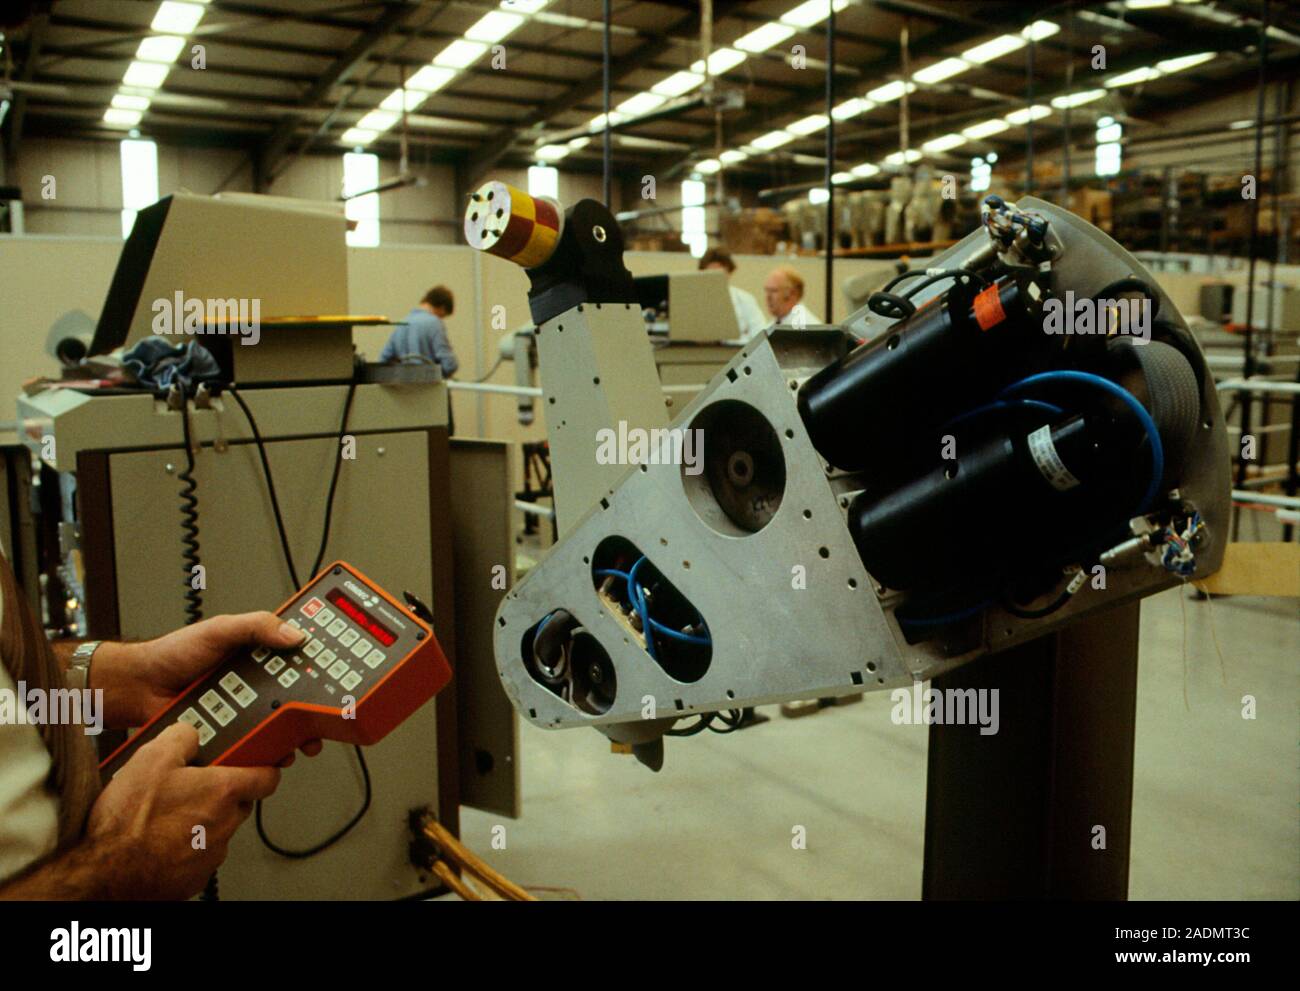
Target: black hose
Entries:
(331, 840)
(891, 306)
(270, 486)
(293, 574)
(895, 306)
(948, 273)
(1038, 613)
(334, 480)
(1132, 283)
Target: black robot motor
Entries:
(1045, 473)
(957, 346)
(991, 450)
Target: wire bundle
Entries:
(1178, 553)
(649, 625)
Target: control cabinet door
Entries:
(381, 523)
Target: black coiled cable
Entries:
(190, 559)
(190, 526)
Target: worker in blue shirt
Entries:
(424, 335)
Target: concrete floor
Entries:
(1214, 813)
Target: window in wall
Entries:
(694, 231)
(1110, 153)
(361, 172)
(139, 179)
(544, 180)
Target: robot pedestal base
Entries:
(1021, 813)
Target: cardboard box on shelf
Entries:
(1093, 205)
(753, 232)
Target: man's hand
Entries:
(149, 675)
(139, 679)
(158, 830)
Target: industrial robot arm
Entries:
(1028, 435)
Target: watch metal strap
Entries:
(79, 664)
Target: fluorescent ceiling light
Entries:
(1147, 4)
(902, 158)
(1143, 75)
(124, 101)
(493, 26)
(808, 125)
(840, 178)
(723, 60)
(940, 71)
(945, 142)
(356, 136)
(708, 166)
(124, 118)
(772, 139)
(1185, 62)
(177, 18)
(677, 84)
(460, 53)
(1022, 117)
(598, 122)
(761, 39)
(543, 180)
(393, 102)
(431, 78)
(551, 153)
(146, 75)
(1078, 99)
(852, 108)
(812, 12)
(524, 6)
(890, 91)
(642, 103)
(160, 48)
(1040, 30)
(377, 120)
(818, 195)
(1240, 125)
(866, 170)
(1003, 44)
(732, 157)
(1109, 132)
(987, 128)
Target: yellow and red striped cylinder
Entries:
(513, 224)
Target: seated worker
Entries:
(783, 290)
(424, 335)
(748, 313)
(61, 836)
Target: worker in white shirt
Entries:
(783, 290)
(749, 315)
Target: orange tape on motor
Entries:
(513, 224)
(988, 308)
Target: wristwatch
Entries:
(79, 664)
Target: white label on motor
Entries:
(1048, 461)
